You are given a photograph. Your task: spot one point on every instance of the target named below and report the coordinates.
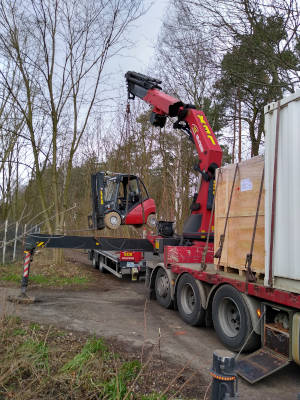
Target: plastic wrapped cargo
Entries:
(282, 119)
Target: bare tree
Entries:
(256, 46)
(11, 125)
(60, 49)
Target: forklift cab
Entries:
(120, 199)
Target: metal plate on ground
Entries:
(260, 364)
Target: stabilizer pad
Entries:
(22, 299)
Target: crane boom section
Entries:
(163, 103)
(195, 124)
(208, 148)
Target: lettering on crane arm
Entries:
(195, 130)
(206, 128)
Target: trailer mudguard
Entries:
(253, 305)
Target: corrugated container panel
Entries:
(286, 250)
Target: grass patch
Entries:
(19, 332)
(51, 276)
(35, 352)
(39, 362)
(89, 350)
(116, 387)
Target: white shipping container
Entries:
(286, 245)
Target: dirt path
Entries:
(117, 310)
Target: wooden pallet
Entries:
(240, 271)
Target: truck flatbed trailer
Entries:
(119, 263)
(123, 263)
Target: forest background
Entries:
(60, 121)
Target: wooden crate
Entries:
(241, 216)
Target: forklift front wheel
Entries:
(112, 220)
(151, 221)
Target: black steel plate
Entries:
(260, 364)
(86, 242)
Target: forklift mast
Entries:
(96, 220)
(192, 122)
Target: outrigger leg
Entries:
(23, 298)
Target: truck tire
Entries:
(95, 261)
(90, 255)
(151, 221)
(232, 321)
(101, 263)
(112, 220)
(189, 301)
(163, 288)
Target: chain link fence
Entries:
(12, 240)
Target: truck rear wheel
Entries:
(163, 288)
(189, 301)
(112, 220)
(95, 261)
(232, 320)
(101, 264)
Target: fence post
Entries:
(24, 234)
(15, 242)
(4, 242)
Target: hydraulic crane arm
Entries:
(195, 124)
(189, 119)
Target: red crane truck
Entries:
(246, 313)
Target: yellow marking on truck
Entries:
(128, 254)
(101, 197)
(206, 128)
(39, 244)
(194, 128)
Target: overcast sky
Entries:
(143, 35)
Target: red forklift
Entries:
(120, 199)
